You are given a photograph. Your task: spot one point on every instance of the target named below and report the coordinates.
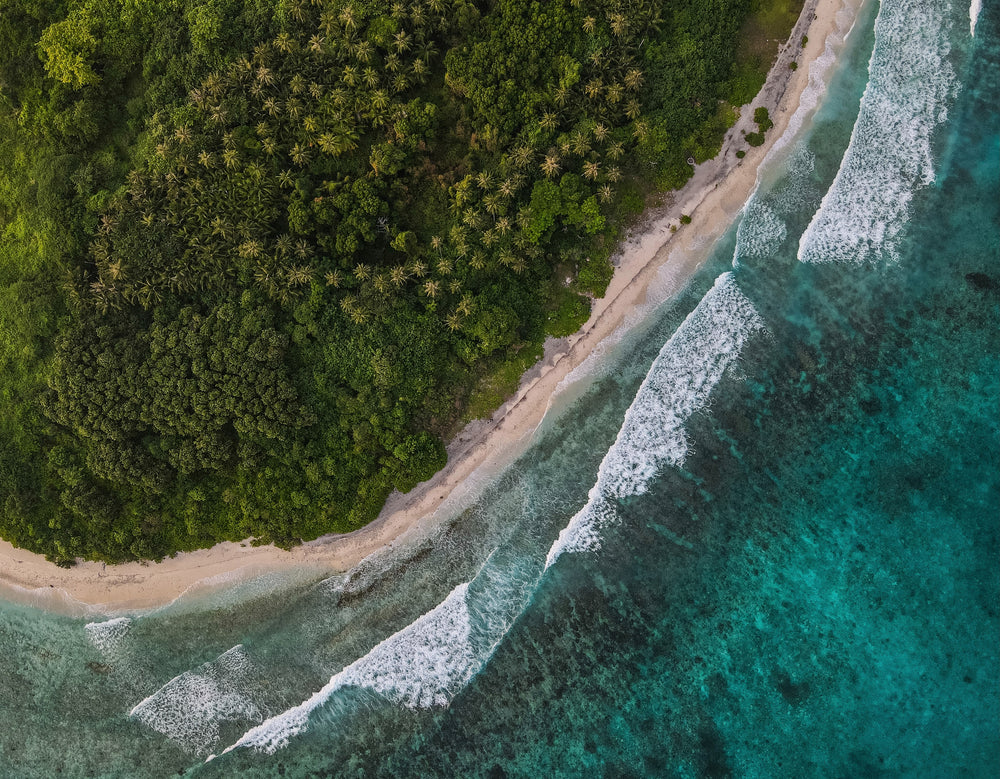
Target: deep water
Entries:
(761, 538)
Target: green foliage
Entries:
(258, 258)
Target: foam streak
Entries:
(678, 384)
(910, 82)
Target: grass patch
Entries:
(767, 27)
(498, 384)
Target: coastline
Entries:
(650, 256)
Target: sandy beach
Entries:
(652, 261)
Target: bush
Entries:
(685, 219)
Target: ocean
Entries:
(758, 536)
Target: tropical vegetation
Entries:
(259, 259)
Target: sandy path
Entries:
(653, 263)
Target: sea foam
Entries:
(974, 8)
(423, 665)
(678, 384)
(190, 707)
(910, 82)
(109, 636)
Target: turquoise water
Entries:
(762, 541)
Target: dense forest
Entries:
(260, 258)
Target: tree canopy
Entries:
(260, 256)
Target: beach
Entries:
(652, 255)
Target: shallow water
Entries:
(761, 540)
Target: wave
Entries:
(423, 665)
(109, 636)
(889, 155)
(190, 707)
(678, 384)
(760, 231)
(974, 8)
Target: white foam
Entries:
(109, 636)
(760, 232)
(910, 82)
(423, 665)
(678, 384)
(190, 707)
(974, 8)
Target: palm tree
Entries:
(633, 79)
(400, 83)
(431, 288)
(418, 269)
(492, 204)
(362, 271)
(606, 193)
(613, 94)
(613, 174)
(272, 106)
(632, 109)
(503, 225)
(300, 155)
(619, 24)
(183, 134)
(580, 143)
(370, 77)
(286, 180)
(454, 321)
(398, 276)
(316, 44)
(401, 40)
(548, 121)
(465, 306)
(334, 279)
(593, 88)
(285, 42)
(550, 166)
(299, 275)
(231, 158)
(600, 132)
(364, 51)
(522, 156)
(589, 24)
(347, 17)
(591, 170)
(302, 249)
(265, 76)
(444, 266)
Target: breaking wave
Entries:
(889, 154)
(190, 707)
(678, 384)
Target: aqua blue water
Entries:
(762, 541)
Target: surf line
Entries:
(679, 383)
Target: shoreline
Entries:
(652, 264)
